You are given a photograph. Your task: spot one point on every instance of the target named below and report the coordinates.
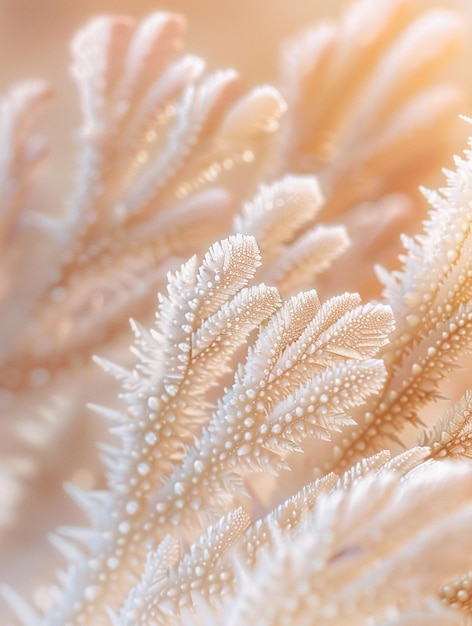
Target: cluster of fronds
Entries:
(246, 368)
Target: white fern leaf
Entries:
(337, 570)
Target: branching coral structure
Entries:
(252, 473)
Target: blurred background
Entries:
(242, 34)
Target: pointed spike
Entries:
(154, 334)
(109, 449)
(134, 326)
(123, 432)
(20, 607)
(114, 617)
(66, 548)
(118, 372)
(91, 502)
(80, 497)
(83, 534)
(139, 331)
(110, 464)
(393, 437)
(110, 414)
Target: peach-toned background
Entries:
(245, 34)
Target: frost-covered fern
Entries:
(252, 473)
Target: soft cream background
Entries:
(245, 34)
